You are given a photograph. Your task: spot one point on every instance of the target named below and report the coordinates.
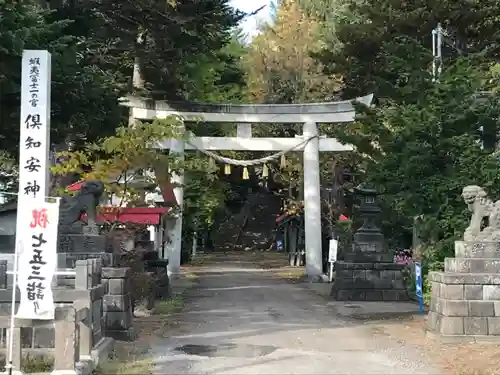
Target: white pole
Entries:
(437, 45)
(330, 275)
(8, 366)
(312, 203)
(174, 247)
(439, 49)
(195, 245)
(152, 233)
(434, 66)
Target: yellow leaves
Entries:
(70, 162)
(129, 150)
(279, 65)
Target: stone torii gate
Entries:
(246, 115)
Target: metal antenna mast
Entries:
(437, 44)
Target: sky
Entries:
(250, 24)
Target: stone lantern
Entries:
(368, 272)
(369, 233)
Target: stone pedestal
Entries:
(73, 247)
(368, 271)
(68, 260)
(117, 304)
(465, 299)
(83, 243)
(159, 269)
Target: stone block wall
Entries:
(86, 289)
(368, 272)
(88, 276)
(70, 351)
(465, 298)
(117, 303)
(77, 330)
(369, 282)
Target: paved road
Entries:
(240, 320)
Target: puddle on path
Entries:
(227, 350)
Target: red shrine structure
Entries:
(136, 215)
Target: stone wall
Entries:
(86, 288)
(75, 337)
(465, 298)
(88, 274)
(117, 305)
(369, 282)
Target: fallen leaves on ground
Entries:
(456, 359)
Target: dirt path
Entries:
(244, 320)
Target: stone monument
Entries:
(79, 239)
(368, 271)
(465, 298)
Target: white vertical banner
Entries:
(37, 260)
(332, 256)
(34, 143)
(38, 242)
(333, 246)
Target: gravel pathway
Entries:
(240, 320)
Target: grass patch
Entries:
(143, 366)
(33, 363)
(267, 259)
(190, 276)
(292, 275)
(169, 306)
(200, 259)
(478, 372)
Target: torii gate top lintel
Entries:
(329, 112)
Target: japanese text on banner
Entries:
(35, 124)
(38, 261)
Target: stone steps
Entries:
(470, 287)
(464, 278)
(483, 250)
(458, 327)
(370, 295)
(258, 215)
(466, 308)
(472, 265)
(465, 298)
(368, 256)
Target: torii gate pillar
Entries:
(174, 243)
(312, 203)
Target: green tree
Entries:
(118, 158)
(167, 38)
(360, 43)
(423, 142)
(93, 46)
(422, 154)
